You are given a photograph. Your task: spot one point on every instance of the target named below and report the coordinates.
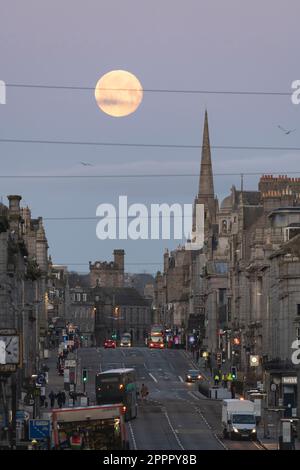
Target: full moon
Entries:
(118, 93)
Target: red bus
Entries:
(156, 337)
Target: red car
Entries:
(109, 343)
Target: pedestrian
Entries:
(197, 355)
(73, 397)
(232, 388)
(59, 399)
(63, 397)
(216, 379)
(144, 391)
(42, 400)
(52, 398)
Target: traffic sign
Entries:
(41, 379)
(22, 415)
(39, 428)
(70, 363)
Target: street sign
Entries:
(41, 379)
(22, 415)
(7, 331)
(8, 367)
(39, 428)
(70, 363)
(83, 401)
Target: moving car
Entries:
(126, 340)
(109, 343)
(193, 375)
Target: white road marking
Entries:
(152, 376)
(259, 446)
(173, 431)
(180, 378)
(206, 422)
(193, 395)
(220, 442)
(132, 436)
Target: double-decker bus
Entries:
(118, 386)
(156, 337)
(157, 330)
(89, 428)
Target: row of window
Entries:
(79, 297)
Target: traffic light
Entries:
(84, 376)
(233, 373)
(219, 358)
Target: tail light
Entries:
(161, 345)
(151, 345)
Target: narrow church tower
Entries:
(206, 193)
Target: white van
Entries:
(125, 340)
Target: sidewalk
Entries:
(55, 381)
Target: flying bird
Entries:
(86, 164)
(287, 132)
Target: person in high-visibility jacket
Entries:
(229, 377)
(217, 379)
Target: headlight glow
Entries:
(235, 430)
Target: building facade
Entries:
(242, 287)
(23, 298)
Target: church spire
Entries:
(206, 181)
(206, 194)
